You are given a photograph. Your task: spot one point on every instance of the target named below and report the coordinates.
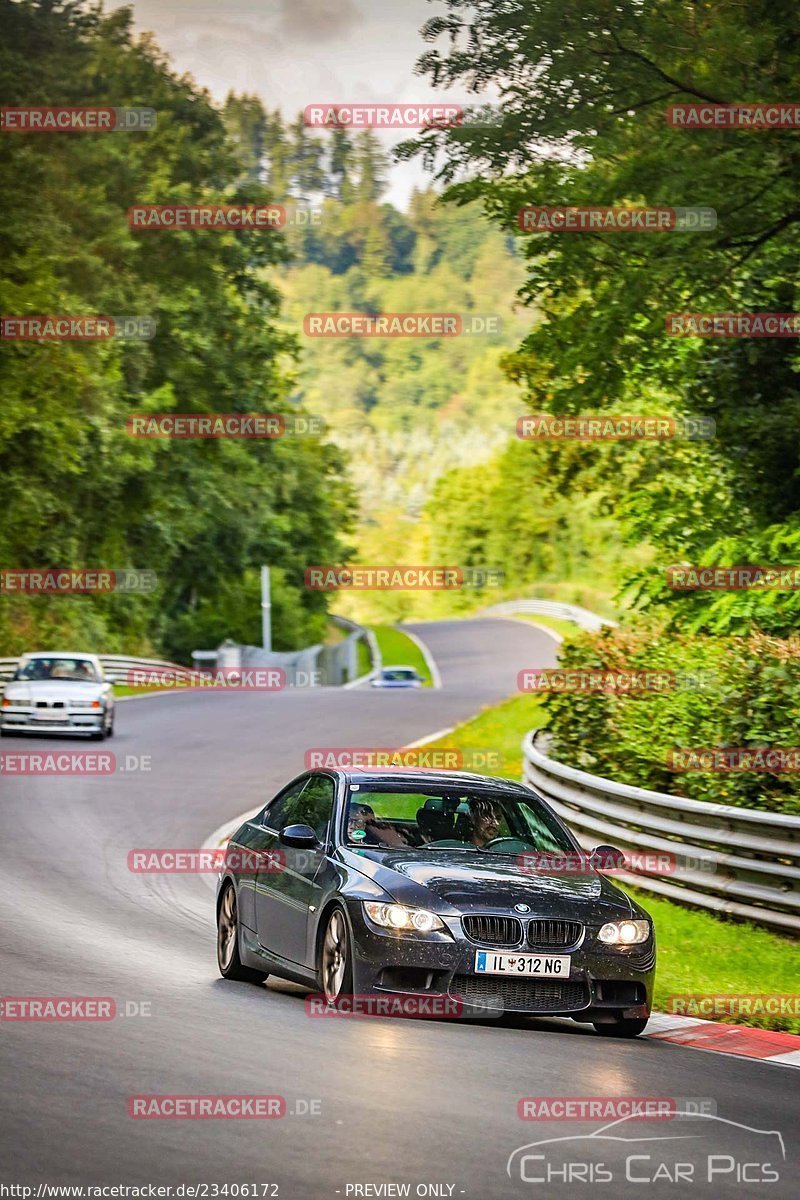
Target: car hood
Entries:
(469, 883)
(51, 690)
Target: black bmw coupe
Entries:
(414, 884)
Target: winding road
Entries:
(391, 1101)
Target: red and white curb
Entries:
(742, 1041)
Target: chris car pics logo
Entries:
(692, 1148)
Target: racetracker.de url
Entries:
(189, 1191)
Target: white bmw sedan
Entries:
(58, 693)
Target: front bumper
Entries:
(603, 983)
(24, 719)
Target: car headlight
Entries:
(85, 704)
(624, 933)
(402, 919)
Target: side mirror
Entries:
(302, 837)
(608, 858)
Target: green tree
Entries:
(75, 489)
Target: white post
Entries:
(266, 610)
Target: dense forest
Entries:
(75, 489)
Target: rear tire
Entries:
(228, 960)
(625, 1028)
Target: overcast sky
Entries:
(295, 52)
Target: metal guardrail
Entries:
(738, 861)
(549, 608)
(115, 667)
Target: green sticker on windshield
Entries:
(358, 834)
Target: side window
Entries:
(315, 806)
(282, 811)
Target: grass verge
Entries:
(557, 624)
(123, 689)
(398, 650)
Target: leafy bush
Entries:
(731, 692)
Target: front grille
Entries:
(493, 931)
(521, 995)
(549, 934)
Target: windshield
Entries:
(452, 819)
(398, 674)
(77, 669)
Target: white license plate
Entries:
(547, 965)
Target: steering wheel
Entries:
(517, 844)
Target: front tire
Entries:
(228, 960)
(335, 958)
(624, 1028)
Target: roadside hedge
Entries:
(739, 692)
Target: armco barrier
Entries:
(338, 663)
(549, 608)
(749, 861)
(115, 667)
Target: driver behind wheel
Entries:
(486, 819)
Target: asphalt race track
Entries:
(396, 1101)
